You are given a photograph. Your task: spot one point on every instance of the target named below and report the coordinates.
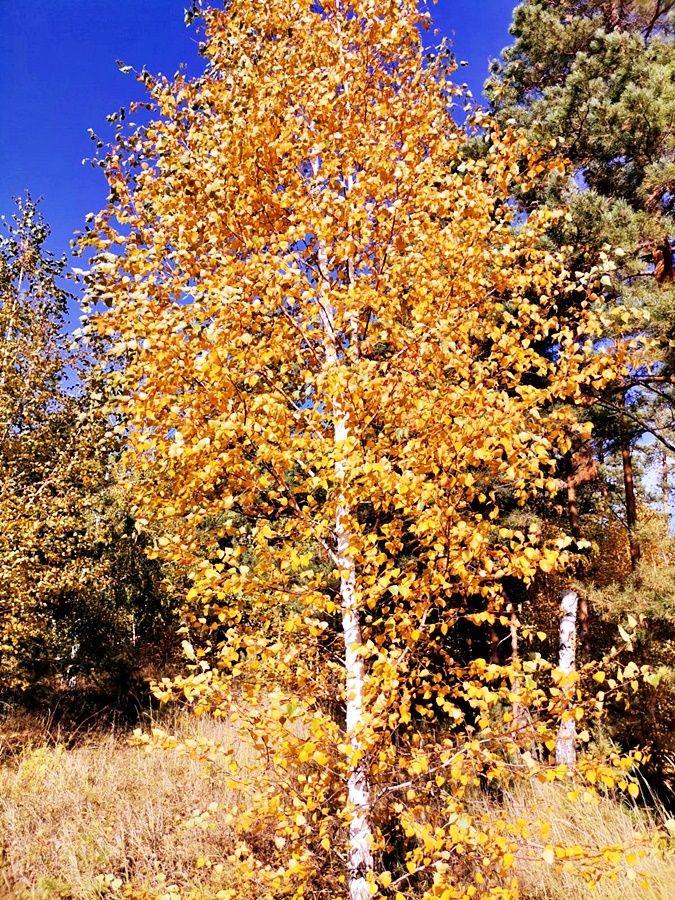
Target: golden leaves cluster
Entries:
(312, 188)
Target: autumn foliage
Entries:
(78, 597)
(346, 365)
(337, 493)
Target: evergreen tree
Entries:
(595, 81)
(76, 592)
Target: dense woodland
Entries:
(365, 447)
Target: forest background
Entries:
(428, 682)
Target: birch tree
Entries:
(566, 743)
(326, 318)
(33, 411)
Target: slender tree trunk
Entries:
(631, 502)
(517, 711)
(358, 789)
(71, 679)
(575, 531)
(665, 490)
(566, 743)
(360, 854)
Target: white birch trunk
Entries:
(566, 743)
(360, 856)
(517, 712)
(358, 789)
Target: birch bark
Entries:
(575, 529)
(566, 743)
(360, 857)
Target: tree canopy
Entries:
(331, 320)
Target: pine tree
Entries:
(598, 79)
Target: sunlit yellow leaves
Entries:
(385, 879)
(336, 411)
(188, 650)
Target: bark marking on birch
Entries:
(566, 743)
(358, 789)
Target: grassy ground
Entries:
(605, 824)
(83, 819)
(106, 808)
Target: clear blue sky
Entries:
(58, 78)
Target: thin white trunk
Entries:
(360, 854)
(72, 679)
(566, 743)
(358, 790)
(519, 721)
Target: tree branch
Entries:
(638, 421)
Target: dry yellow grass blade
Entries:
(88, 821)
(599, 824)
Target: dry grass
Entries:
(105, 807)
(70, 814)
(592, 825)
